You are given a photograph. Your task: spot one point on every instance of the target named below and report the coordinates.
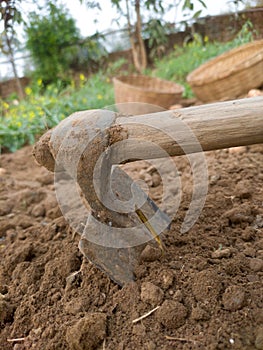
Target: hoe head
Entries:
(110, 211)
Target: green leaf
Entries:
(188, 5)
(203, 3)
(197, 14)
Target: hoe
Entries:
(110, 211)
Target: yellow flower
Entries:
(81, 77)
(72, 84)
(5, 105)
(39, 82)
(31, 115)
(206, 39)
(19, 124)
(99, 97)
(28, 90)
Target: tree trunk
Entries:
(12, 61)
(136, 40)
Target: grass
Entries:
(177, 65)
(22, 121)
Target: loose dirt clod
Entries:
(151, 293)
(171, 314)
(199, 314)
(87, 333)
(234, 298)
(6, 310)
(207, 286)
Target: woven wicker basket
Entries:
(144, 89)
(229, 75)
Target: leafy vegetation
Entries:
(56, 47)
(22, 121)
(185, 59)
(49, 40)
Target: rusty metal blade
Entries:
(117, 252)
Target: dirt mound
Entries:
(205, 292)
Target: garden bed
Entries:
(208, 284)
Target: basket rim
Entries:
(179, 87)
(193, 78)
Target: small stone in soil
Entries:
(150, 253)
(221, 253)
(258, 223)
(156, 180)
(2, 171)
(234, 298)
(167, 279)
(256, 264)
(176, 106)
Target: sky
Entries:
(106, 18)
(89, 21)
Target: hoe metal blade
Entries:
(119, 249)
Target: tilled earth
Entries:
(205, 291)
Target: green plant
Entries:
(117, 66)
(156, 33)
(245, 34)
(50, 40)
(22, 121)
(183, 60)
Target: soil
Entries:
(205, 291)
